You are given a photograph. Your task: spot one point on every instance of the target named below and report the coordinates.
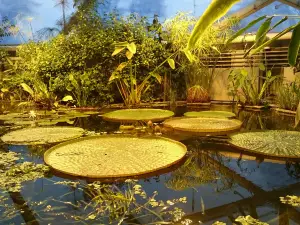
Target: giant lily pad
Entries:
(42, 135)
(114, 156)
(133, 115)
(279, 143)
(204, 125)
(211, 114)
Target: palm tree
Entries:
(64, 5)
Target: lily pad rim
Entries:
(39, 142)
(50, 150)
(230, 115)
(107, 118)
(262, 153)
(208, 131)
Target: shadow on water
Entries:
(220, 182)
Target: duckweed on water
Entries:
(12, 175)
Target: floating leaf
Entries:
(138, 115)
(147, 154)
(279, 143)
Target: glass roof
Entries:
(42, 13)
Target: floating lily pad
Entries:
(204, 125)
(42, 135)
(279, 143)
(211, 114)
(114, 156)
(132, 115)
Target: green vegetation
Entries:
(288, 95)
(243, 84)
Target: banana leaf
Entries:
(294, 46)
(241, 31)
(215, 11)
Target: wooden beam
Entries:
(293, 3)
(252, 8)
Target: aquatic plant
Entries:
(279, 143)
(288, 95)
(129, 204)
(195, 172)
(248, 220)
(131, 156)
(12, 178)
(133, 115)
(42, 135)
(203, 125)
(211, 114)
(197, 93)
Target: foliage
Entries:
(130, 91)
(195, 172)
(130, 204)
(288, 95)
(206, 51)
(243, 84)
(291, 200)
(248, 220)
(12, 174)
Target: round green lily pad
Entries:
(203, 125)
(211, 114)
(278, 143)
(133, 115)
(42, 135)
(114, 156)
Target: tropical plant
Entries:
(199, 73)
(197, 94)
(128, 86)
(40, 95)
(288, 95)
(243, 84)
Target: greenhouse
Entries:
(150, 112)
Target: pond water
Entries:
(219, 182)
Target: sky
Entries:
(42, 13)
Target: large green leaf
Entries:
(171, 63)
(262, 32)
(215, 11)
(297, 118)
(132, 47)
(294, 46)
(241, 31)
(117, 50)
(27, 89)
(259, 48)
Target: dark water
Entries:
(219, 182)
